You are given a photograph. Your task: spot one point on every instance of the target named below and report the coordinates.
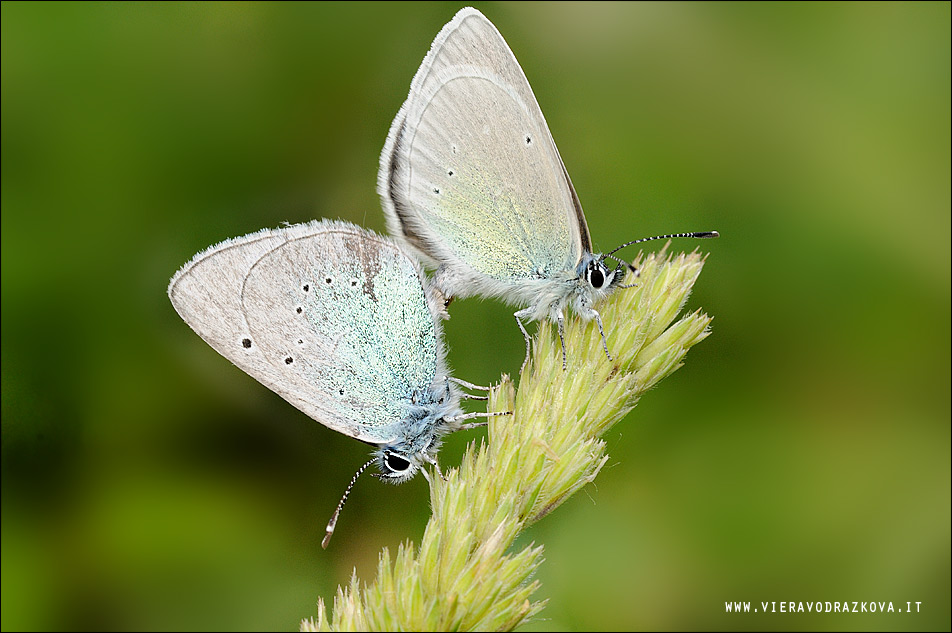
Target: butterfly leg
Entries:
(598, 321)
(519, 316)
(634, 270)
(432, 460)
(470, 416)
(561, 319)
(468, 385)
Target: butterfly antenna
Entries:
(701, 235)
(622, 264)
(329, 532)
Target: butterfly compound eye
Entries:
(595, 275)
(396, 463)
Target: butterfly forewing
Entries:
(206, 292)
(336, 321)
(470, 174)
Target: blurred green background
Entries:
(802, 453)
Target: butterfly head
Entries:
(396, 467)
(596, 278)
(420, 436)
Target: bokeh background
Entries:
(802, 453)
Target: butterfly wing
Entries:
(470, 176)
(332, 318)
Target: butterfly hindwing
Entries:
(334, 319)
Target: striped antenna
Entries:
(702, 235)
(329, 532)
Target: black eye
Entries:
(396, 463)
(595, 277)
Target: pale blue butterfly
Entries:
(339, 322)
(473, 184)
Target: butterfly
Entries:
(339, 322)
(472, 183)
